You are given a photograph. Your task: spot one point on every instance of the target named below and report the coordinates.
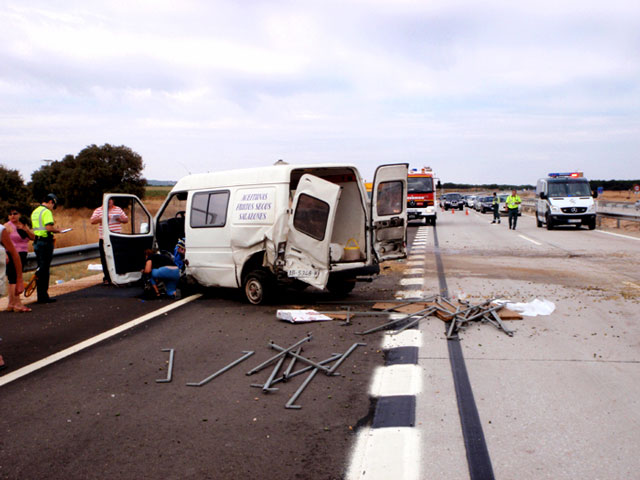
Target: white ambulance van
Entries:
(261, 228)
(565, 199)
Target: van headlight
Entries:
(592, 208)
(555, 209)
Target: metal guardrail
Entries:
(66, 255)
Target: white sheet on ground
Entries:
(299, 316)
(530, 309)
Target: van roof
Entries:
(252, 176)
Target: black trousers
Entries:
(496, 214)
(43, 249)
(513, 217)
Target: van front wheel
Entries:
(258, 287)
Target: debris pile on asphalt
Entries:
(457, 313)
(328, 366)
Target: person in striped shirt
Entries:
(116, 218)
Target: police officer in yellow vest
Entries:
(513, 201)
(43, 227)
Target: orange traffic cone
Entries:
(466, 212)
(452, 211)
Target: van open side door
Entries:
(124, 249)
(389, 211)
(310, 229)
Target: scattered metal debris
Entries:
(246, 355)
(170, 368)
(283, 353)
(457, 313)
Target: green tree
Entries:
(13, 193)
(80, 181)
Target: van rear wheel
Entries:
(341, 286)
(258, 287)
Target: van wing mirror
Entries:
(543, 195)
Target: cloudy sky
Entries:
(492, 91)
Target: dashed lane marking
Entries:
(529, 239)
(384, 453)
(618, 235)
(396, 380)
(67, 352)
(414, 271)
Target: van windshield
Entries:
(420, 184)
(569, 188)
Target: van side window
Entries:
(311, 216)
(209, 209)
(389, 198)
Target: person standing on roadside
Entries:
(496, 208)
(513, 202)
(20, 234)
(6, 246)
(43, 229)
(116, 218)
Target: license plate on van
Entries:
(302, 273)
(574, 220)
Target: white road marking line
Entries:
(414, 271)
(631, 284)
(396, 380)
(411, 281)
(529, 239)
(618, 235)
(26, 370)
(415, 262)
(409, 294)
(384, 453)
(406, 338)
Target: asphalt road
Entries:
(101, 414)
(557, 400)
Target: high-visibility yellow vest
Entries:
(40, 217)
(513, 202)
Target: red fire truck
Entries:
(421, 195)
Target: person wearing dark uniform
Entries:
(43, 228)
(496, 208)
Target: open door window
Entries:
(389, 211)
(310, 230)
(126, 239)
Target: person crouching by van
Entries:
(178, 255)
(160, 268)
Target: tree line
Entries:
(610, 185)
(78, 181)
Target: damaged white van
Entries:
(261, 228)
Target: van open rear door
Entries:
(124, 249)
(389, 211)
(310, 229)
